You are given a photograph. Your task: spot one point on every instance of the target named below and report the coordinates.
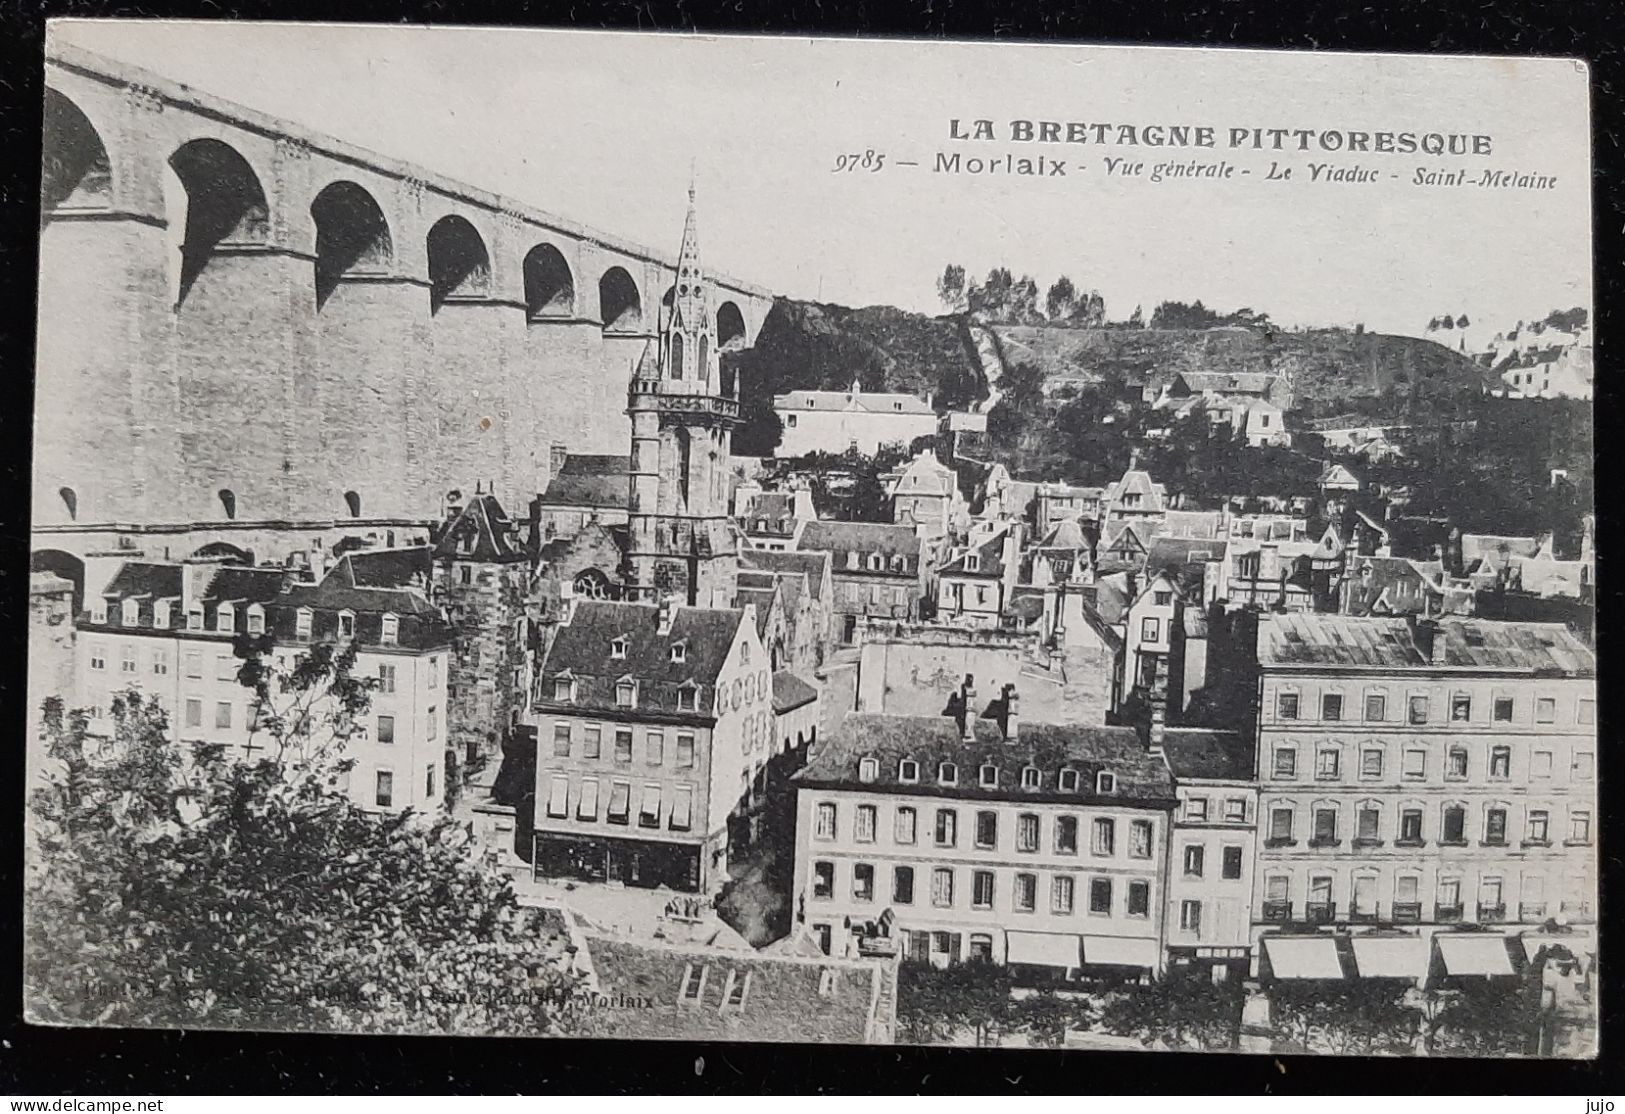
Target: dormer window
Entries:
(898, 564)
(194, 618)
(98, 611)
(626, 693)
(1069, 781)
(973, 562)
(947, 774)
(347, 624)
(868, 770)
(1105, 782)
(852, 560)
(389, 633)
(908, 771)
(988, 776)
(876, 562)
(130, 612)
(1030, 777)
(160, 614)
(688, 698)
(564, 689)
(617, 648)
(302, 623)
(256, 619)
(679, 652)
(225, 618)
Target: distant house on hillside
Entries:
(1275, 389)
(1340, 477)
(835, 421)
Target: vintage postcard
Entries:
(813, 540)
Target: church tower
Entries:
(681, 541)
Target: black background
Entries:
(47, 1062)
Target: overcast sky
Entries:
(603, 128)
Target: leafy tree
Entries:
(1364, 1017)
(1179, 1011)
(206, 892)
(1023, 309)
(1062, 300)
(1045, 1017)
(1091, 310)
(951, 288)
(991, 299)
(933, 1004)
(1492, 1020)
(1136, 319)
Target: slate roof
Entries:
(582, 648)
(771, 505)
(1196, 752)
(783, 1002)
(876, 402)
(812, 565)
(420, 624)
(149, 582)
(385, 568)
(1244, 382)
(1192, 524)
(763, 599)
(1069, 533)
(791, 692)
(864, 538)
(1393, 585)
(989, 560)
(1312, 639)
(1165, 552)
(590, 480)
(931, 740)
(1137, 481)
(481, 531)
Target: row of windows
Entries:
(985, 830)
(226, 666)
(876, 562)
(1419, 708)
(1024, 890)
(1369, 828)
(224, 713)
(1405, 897)
(655, 806)
(743, 691)
(1067, 779)
(1458, 763)
(1193, 861)
(1233, 810)
(592, 745)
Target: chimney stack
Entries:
(196, 576)
(967, 702)
(1012, 709)
(1429, 638)
(1159, 720)
(556, 456)
(668, 611)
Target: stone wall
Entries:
(486, 677)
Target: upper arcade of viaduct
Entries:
(134, 141)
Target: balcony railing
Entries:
(1277, 910)
(1491, 914)
(1531, 910)
(1447, 913)
(1320, 912)
(1407, 911)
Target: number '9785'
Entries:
(870, 160)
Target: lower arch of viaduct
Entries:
(244, 327)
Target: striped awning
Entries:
(1474, 953)
(1120, 951)
(1042, 949)
(1391, 957)
(1303, 957)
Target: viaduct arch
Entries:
(232, 303)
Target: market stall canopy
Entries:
(1042, 949)
(1471, 953)
(1391, 957)
(1120, 951)
(1303, 957)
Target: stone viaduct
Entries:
(254, 334)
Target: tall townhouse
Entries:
(403, 642)
(1212, 849)
(1424, 774)
(878, 571)
(654, 727)
(170, 629)
(1038, 846)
